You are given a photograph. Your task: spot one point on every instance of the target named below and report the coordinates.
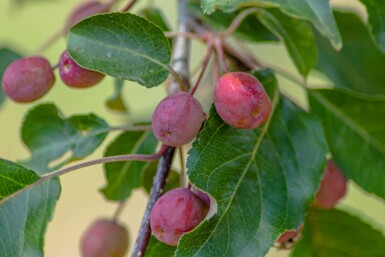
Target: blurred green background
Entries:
(24, 28)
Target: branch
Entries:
(156, 191)
(180, 63)
(117, 158)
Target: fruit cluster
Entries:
(28, 79)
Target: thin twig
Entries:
(128, 6)
(184, 34)
(117, 158)
(237, 21)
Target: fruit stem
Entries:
(204, 66)
(119, 210)
(219, 49)
(116, 158)
(182, 180)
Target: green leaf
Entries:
(262, 180)
(336, 233)
(156, 16)
(14, 177)
(359, 64)
(376, 13)
(355, 134)
(49, 135)
(7, 56)
(147, 178)
(115, 102)
(122, 45)
(123, 177)
(24, 219)
(317, 12)
(159, 249)
(250, 29)
(297, 35)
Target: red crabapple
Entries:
(241, 101)
(75, 76)
(332, 188)
(85, 10)
(177, 119)
(27, 79)
(105, 238)
(176, 212)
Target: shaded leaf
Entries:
(49, 135)
(262, 180)
(7, 56)
(376, 12)
(123, 177)
(14, 177)
(147, 178)
(297, 35)
(115, 102)
(355, 134)
(122, 45)
(359, 64)
(317, 12)
(24, 219)
(250, 29)
(336, 233)
(159, 249)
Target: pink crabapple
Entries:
(176, 212)
(332, 188)
(75, 76)
(177, 119)
(105, 238)
(28, 79)
(241, 101)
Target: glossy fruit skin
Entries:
(75, 76)
(85, 10)
(241, 101)
(27, 79)
(332, 188)
(177, 119)
(105, 238)
(176, 212)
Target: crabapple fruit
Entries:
(241, 101)
(105, 238)
(176, 212)
(177, 119)
(332, 188)
(202, 195)
(85, 10)
(27, 79)
(75, 76)
(289, 237)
